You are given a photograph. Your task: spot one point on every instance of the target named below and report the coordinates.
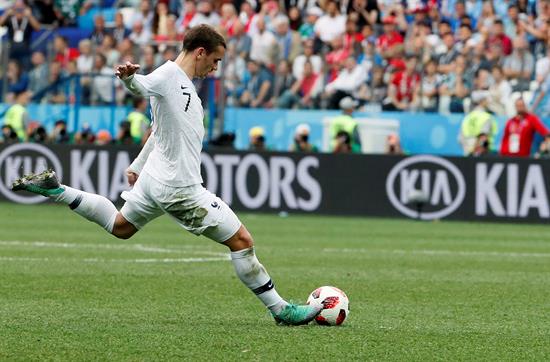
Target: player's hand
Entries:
(132, 177)
(125, 70)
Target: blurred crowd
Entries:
(386, 55)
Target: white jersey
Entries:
(178, 128)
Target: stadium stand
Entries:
(400, 56)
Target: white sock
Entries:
(95, 208)
(255, 277)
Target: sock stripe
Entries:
(73, 205)
(264, 288)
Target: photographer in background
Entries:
(301, 140)
(20, 23)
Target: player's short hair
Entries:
(203, 36)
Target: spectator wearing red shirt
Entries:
(390, 43)
(404, 87)
(498, 37)
(520, 131)
(64, 54)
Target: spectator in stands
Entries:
(338, 53)
(228, 19)
(85, 60)
(257, 139)
(375, 91)
(330, 25)
(127, 50)
(301, 142)
(347, 83)
(264, 44)
(283, 80)
(103, 86)
(205, 15)
(448, 56)
(109, 50)
(305, 91)
(38, 75)
(45, 12)
(56, 86)
(288, 40)
(68, 11)
(148, 63)
(404, 88)
(519, 66)
(294, 18)
(393, 145)
(20, 23)
(119, 31)
(234, 72)
(99, 31)
(542, 67)
(519, 132)
(160, 20)
(17, 116)
(187, 14)
(478, 121)
(541, 103)
(144, 16)
(124, 136)
(500, 92)
(140, 35)
(307, 29)
(352, 38)
(307, 55)
(499, 37)
(139, 123)
(344, 130)
(8, 135)
(258, 87)
(241, 40)
(17, 79)
(429, 93)
(60, 134)
(390, 44)
(455, 86)
(63, 53)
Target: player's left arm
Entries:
(133, 171)
(539, 126)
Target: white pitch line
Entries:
(128, 247)
(440, 252)
(96, 260)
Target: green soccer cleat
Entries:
(44, 183)
(295, 315)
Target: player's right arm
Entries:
(142, 85)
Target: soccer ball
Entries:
(336, 305)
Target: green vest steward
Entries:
(138, 123)
(479, 121)
(345, 123)
(14, 119)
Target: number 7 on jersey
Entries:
(188, 98)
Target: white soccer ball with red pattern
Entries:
(335, 305)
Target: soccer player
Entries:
(166, 174)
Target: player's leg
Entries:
(254, 275)
(202, 213)
(95, 208)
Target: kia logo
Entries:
(24, 158)
(432, 181)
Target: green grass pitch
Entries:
(418, 291)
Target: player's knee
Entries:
(241, 240)
(122, 228)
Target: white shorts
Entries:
(196, 209)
